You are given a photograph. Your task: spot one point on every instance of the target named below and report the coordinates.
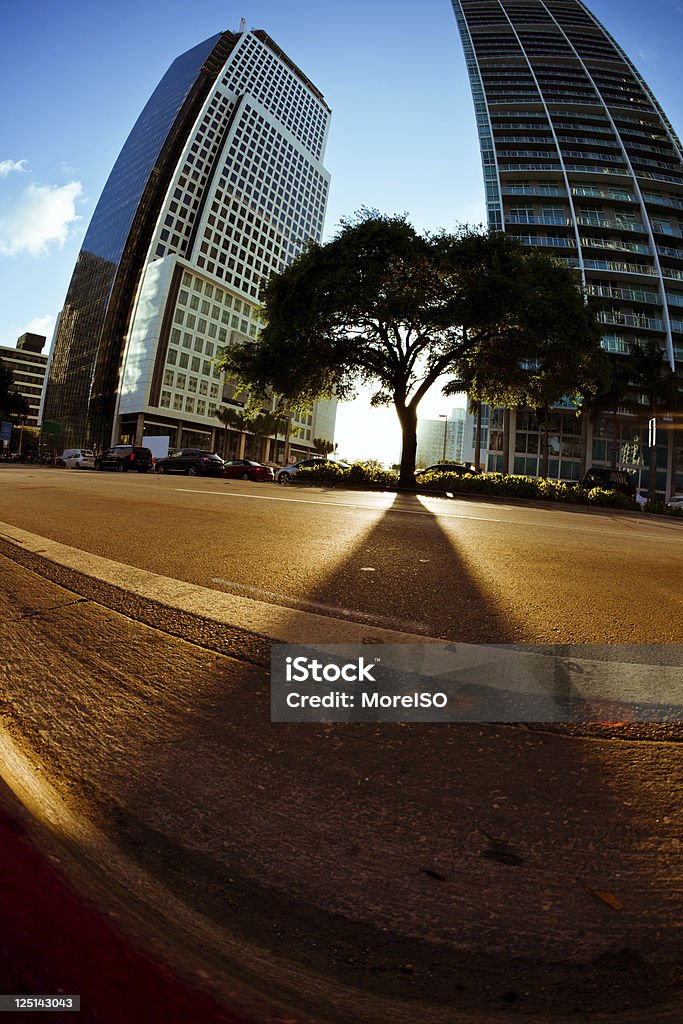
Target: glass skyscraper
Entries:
(219, 184)
(580, 159)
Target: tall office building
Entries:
(580, 159)
(219, 184)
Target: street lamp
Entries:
(444, 417)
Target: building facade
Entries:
(220, 184)
(29, 367)
(580, 160)
(441, 440)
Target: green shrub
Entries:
(610, 499)
(359, 473)
(496, 484)
(324, 473)
(660, 508)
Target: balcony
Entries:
(630, 294)
(667, 250)
(532, 218)
(675, 204)
(546, 241)
(592, 169)
(608, 222)
(621, 268)
(533, 190)
(629, 320)
(615, 243)
(590, 192)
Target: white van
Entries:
(78, 458)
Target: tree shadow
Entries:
(440, 871)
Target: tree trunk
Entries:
(615, 447)
(285, 450)
(545, 454)
(407, 417)
(585, 424)
(506, 440)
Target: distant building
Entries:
(441, 440)
(580, 160)
(29, 365)
(220, 183)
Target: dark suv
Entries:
(609, 480)
(192, 461)
(124, 457)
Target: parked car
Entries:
(459, 468)
(125, 457)
(245, 469)
(192, 462)
(609, 480)
(675, 501)
(285, 474)
(78, 458)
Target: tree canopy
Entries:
(11, 402)
(384, 306)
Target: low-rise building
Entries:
(28, 365)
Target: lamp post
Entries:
(444, 417)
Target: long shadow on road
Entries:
(362, 872)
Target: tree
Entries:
(267, 424)
(608, 389)
(232, 419)
(323, 446)
(12, 404)
(536, 337)
(652, 377)
(380, 304)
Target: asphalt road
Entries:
(462, 570)
(348, 873)
(366, 873)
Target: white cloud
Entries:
(41, 325)
(6, 166)
(39, 219)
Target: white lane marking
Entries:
(340, 504)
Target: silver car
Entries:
(79, 458)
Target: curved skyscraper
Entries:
(220, 183)
(580, 159)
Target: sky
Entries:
(75, 75)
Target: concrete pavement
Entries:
(360, 873)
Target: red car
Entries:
(245, 469)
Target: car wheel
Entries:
(245, 476)
(161, 469)
(77, 465)
(192, 471)
(283, 478)
(120, 467)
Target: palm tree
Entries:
(233, 419)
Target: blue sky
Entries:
(76, 74)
